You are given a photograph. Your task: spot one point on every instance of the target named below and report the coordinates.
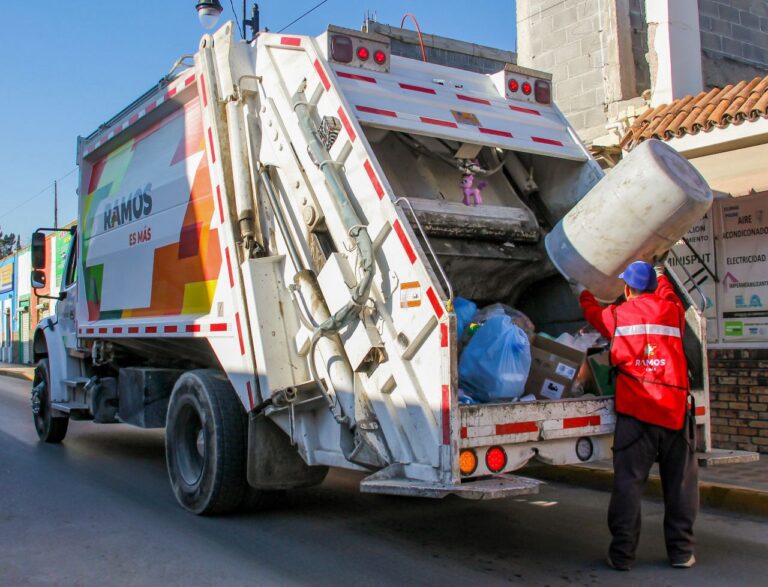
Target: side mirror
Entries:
(38, 278)
(38, 252)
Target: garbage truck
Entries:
(268, 248)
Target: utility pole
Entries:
(55, 204)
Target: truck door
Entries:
(65, 308)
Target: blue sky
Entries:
(70, 65)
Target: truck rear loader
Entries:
(268, 248)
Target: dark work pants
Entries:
(636, 445)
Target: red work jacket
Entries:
(646, 335)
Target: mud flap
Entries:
(272, 462)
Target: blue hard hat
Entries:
(640, 275)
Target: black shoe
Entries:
(616, 566)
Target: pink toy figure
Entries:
(472, 195)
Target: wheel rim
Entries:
(190, 440)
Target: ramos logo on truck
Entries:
(129, 208)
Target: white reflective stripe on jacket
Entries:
(658, 329)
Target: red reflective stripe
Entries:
(103, 330)
(150, 107)
(472, 99)
(89, 330)
(221, 209)
(205, 93)
(463, 432)
(170, 328)
(239, 333)
(150, 329)
(189, 80)
(445, 408)
(581, 422)
(133, 119)
(516, 428)
(377, 111)
(347, 125)
(361, 78)
(493, 131)
(193, 328)
(117, 330)
(250, 393)
(526, 110)
(219, 327)
(133, 330)
(323, 78)
(229, 268)
(417, 89)
(438, 122)
(404, 241)
(290, 41)
(436, 305)
(374, 180)
(443, 335)
(701, 410)
(210, 141)
(546, 141)
(170, 93)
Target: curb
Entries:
(26, 374)
(726, 497)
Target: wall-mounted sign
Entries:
(6, 278)
(743, 268)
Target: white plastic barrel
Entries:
(639, 210)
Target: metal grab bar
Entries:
(692, 280)
(431, 250)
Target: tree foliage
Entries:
(7, 244)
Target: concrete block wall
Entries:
(738, 388)
(563, 38)
(734, 40)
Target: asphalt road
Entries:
(98, 510)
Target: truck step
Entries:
(69, 407)
(494, 488)
(76, 381)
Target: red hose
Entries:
(418, 30)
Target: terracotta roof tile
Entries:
(718, 107)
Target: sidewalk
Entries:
(19, 371)
(741, 488)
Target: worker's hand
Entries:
(576, 287)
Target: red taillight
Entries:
(496, 459)
(513, 85)
(379, 57)
(363, 53)
(527, 88)
(543, 92)
(341, 48)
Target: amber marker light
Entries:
(467, 461)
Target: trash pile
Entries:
(503, 359)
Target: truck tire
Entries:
(50, 428)
(206, 443)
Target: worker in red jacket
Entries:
(653, 416)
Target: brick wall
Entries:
(734, 40)
(738, 381)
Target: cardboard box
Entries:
(553, 368)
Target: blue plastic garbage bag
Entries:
(495, 363)
(464, 309)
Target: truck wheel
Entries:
(49, 428)
(206, 443)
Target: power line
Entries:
(541, 11)
(315, 7)
(237, 20)
(38, 194)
